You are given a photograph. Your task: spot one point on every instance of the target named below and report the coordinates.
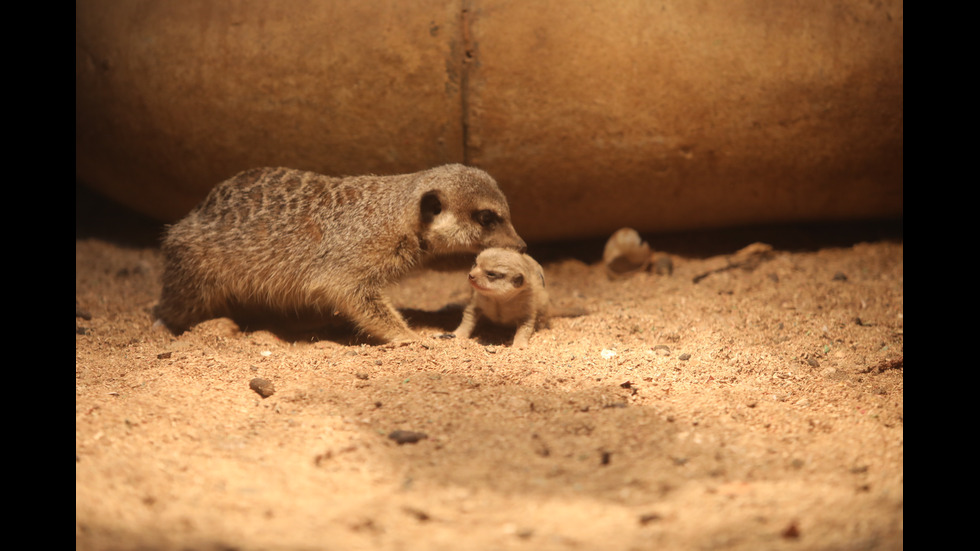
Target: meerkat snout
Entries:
(467, 216)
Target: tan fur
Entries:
(508, 289)
(625, 254)
(286, 240)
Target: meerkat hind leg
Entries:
(179, 313)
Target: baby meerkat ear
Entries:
(518, 280)
(430, 206)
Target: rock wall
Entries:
(663, 116)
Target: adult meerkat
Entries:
(508, 289)
(287, 240)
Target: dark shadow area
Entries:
(446, 318)
(99, 217)
(312, 326)
(295, 329)
(799, 237)
(485, 332)
(308, 325)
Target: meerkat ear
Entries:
(430, 206)
(518, 280)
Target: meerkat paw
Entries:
(397, 343)
(403, 339)
(161, 326)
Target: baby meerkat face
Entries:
(497, 272)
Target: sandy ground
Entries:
(760, 407)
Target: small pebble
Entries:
(661, 350)
(649, 517)
(407, 436)
(792, 531)
(419, 514)
(263, 387)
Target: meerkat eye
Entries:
(493, 276)
(486, 218)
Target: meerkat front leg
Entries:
(375, 315)
(523, 335)
(466, 327)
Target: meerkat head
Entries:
(463, 210)
(498, 273)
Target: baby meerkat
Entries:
(287, 241)
(508, 289)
